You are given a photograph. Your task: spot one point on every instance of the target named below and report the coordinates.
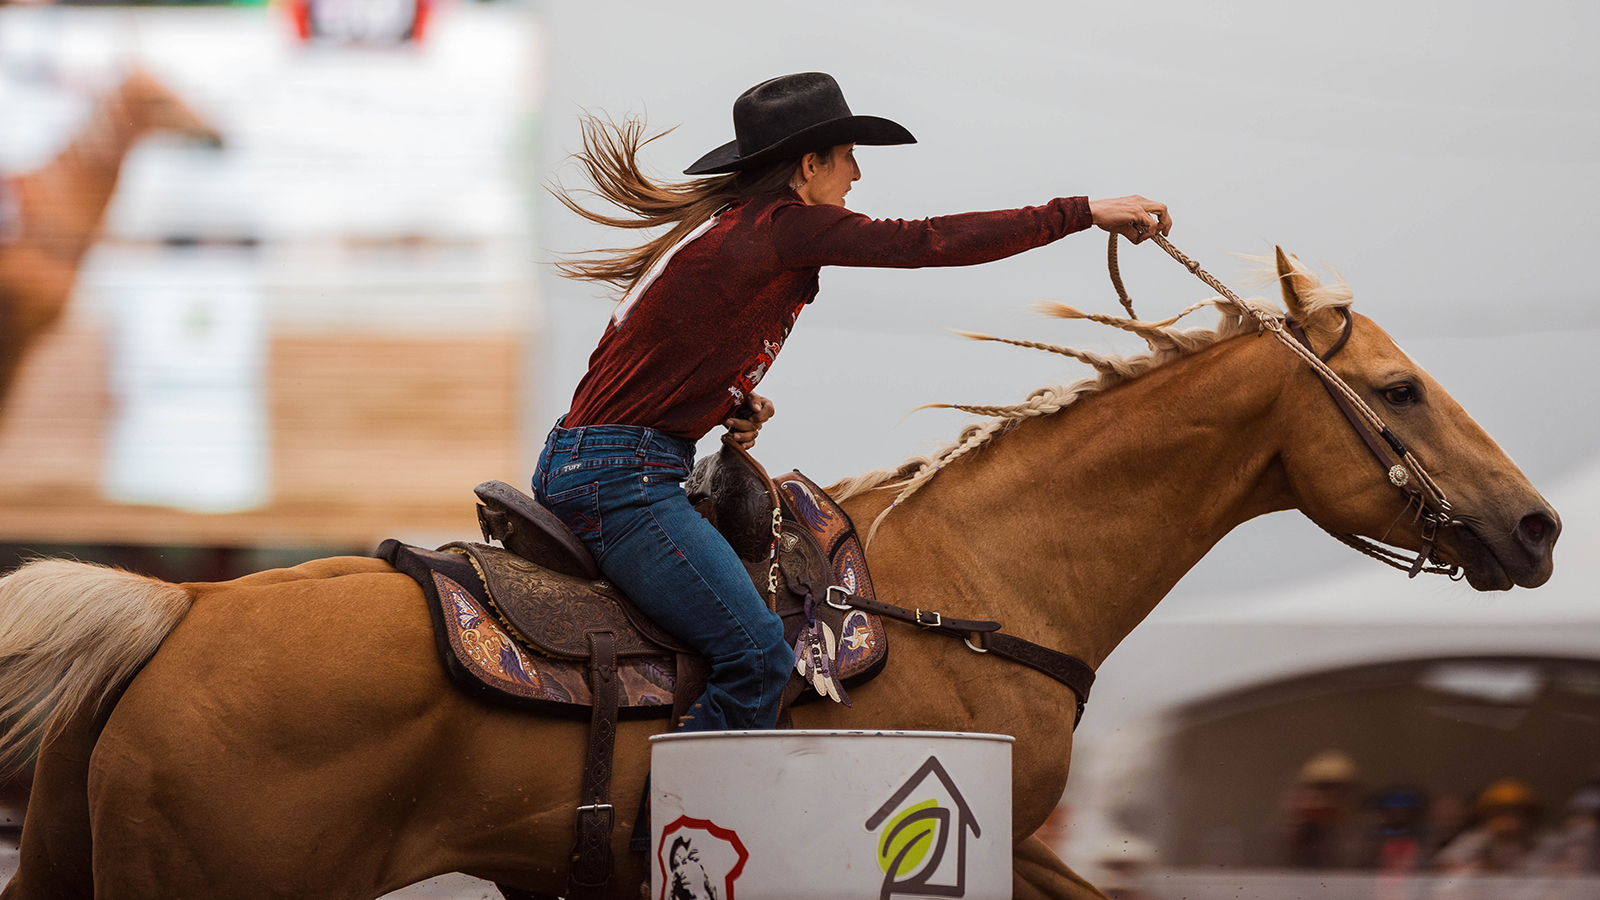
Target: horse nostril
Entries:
(1537, 531)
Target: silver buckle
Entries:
(828, 598)
(938, 620)
(596, 806)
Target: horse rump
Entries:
(71, 633)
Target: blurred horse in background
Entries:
(56, 211)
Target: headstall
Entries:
(1433, 510)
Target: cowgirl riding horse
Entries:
(706, 308)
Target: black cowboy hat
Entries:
(793, 115)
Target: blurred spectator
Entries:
(1396, 843)
(1317, 830)
(1573, 847)
(1502, 835)
(1447, 818)
(1123, 861)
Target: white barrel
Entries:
(816, 815)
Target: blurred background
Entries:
(274, 285)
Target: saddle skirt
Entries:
(514, 630)
(487, 655)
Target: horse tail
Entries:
(71, 633)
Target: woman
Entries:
(705, 310)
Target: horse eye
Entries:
(1401, 395)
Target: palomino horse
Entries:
(292, 733)
(60, 207)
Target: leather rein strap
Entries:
(1402, 468)
(982, 636)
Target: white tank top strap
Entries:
(654, 272)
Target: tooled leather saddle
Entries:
(512, 621)
(533, 623)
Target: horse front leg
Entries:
(1037, 873)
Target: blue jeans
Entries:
(620, 489)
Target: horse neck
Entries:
(1070, 528)
(64, 202)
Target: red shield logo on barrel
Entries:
(698, 860)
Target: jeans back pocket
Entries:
(579, 509)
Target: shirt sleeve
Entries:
(824, 235)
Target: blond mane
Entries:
(1166, 343)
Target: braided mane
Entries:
(1166, 343)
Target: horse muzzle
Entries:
(1498, 559)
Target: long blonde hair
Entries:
(610, 160)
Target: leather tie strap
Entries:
(927, 618)
(591, 854)
(983, 636)
(980, 635)
(1069, 670)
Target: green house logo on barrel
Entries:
(916, 832)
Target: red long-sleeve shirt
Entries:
(686, 346)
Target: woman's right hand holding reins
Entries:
(1133, 217)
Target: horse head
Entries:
(1497, 529)
(154, 107)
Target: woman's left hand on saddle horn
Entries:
(747, 420)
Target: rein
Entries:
(1402, 468)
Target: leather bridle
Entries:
(1433, 510)
(1404, 471)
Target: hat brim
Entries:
(870, 130)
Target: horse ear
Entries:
(1294, 279)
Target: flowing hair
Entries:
(610, 160)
